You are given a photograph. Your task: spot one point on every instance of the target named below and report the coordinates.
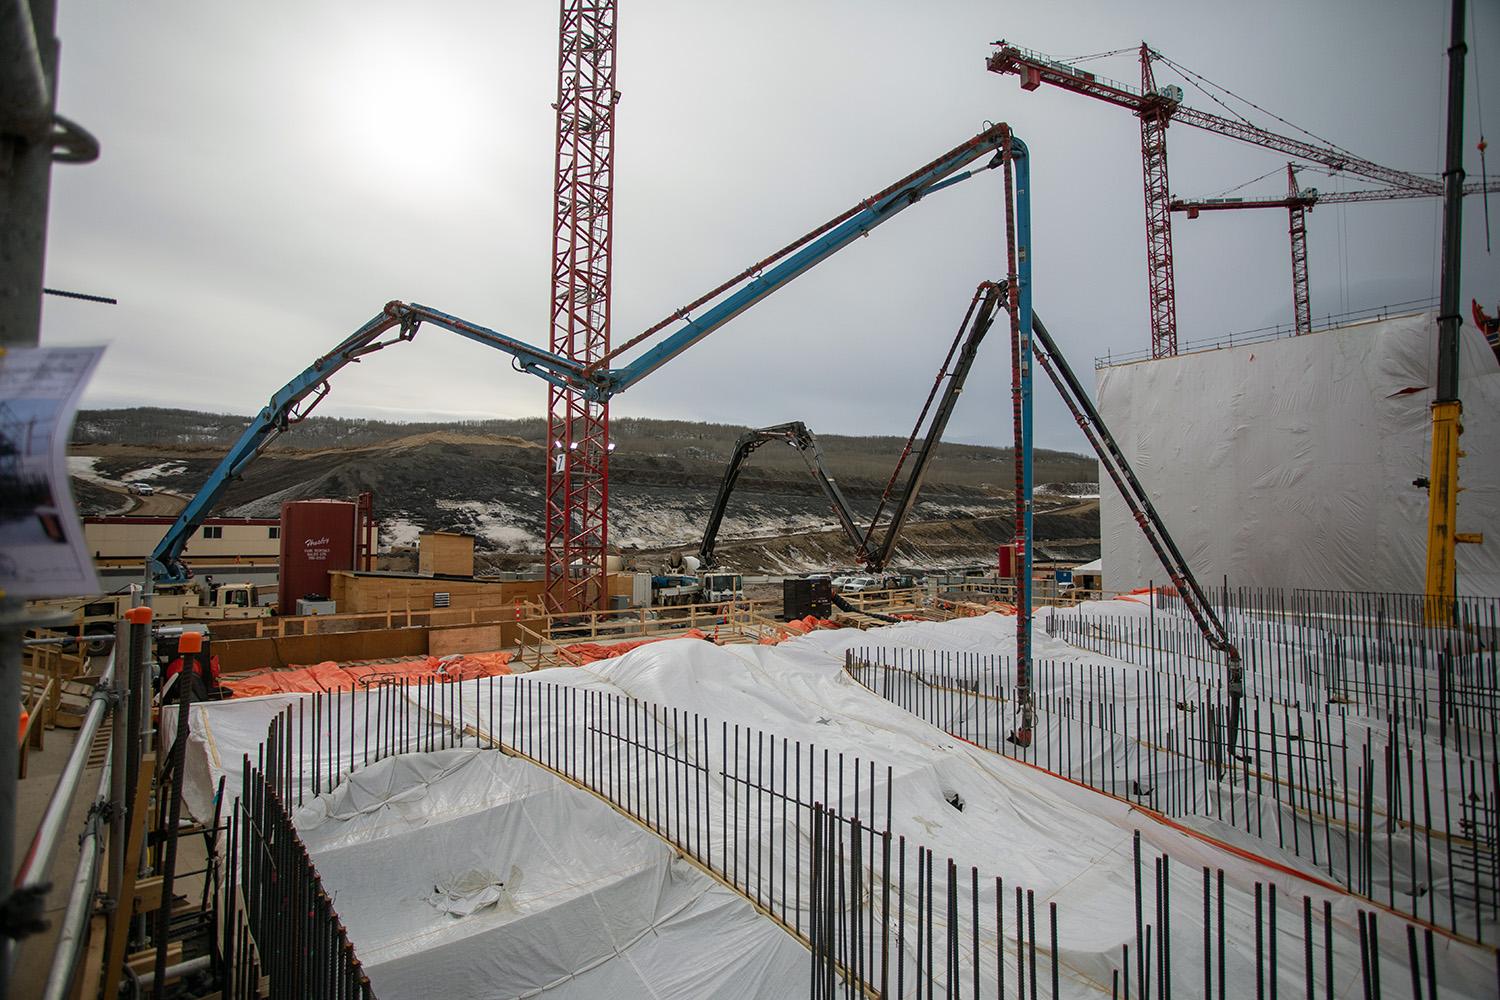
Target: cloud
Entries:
(270, 180)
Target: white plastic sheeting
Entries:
(1070, 845)
(1290, 463)
(470, 874)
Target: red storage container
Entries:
(317, 537)
(1007, 560)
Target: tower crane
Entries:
(1298, 202)
(1157, 107)
(577, 491)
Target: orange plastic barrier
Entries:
(329, 676)
(590, 652)
(1165, 591)
(800, 626)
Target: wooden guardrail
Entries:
(44, 671)
(544, 641)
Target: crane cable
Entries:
(1484, 177)
(1253, 180)
(1200, 77)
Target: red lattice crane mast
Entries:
(1157, 108)
(1298, 202)
(577, 499)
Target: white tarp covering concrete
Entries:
(1071, 845)
(470, 874)
(1290, 463)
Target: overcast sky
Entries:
(271, 175)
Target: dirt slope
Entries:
(489, 480)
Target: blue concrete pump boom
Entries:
(295, 400)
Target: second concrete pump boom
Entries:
(798, 436)
(1113, 461)
(988, 299)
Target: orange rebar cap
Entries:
(190, 642)
(138, 616)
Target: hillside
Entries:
(487, 477)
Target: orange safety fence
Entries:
(1131, 595)
(330, 676)
(581, 653)
(799, 626)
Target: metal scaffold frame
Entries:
(577, 499)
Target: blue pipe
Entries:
(1020, 155)
(690, 332)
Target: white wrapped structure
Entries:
(1290, 463)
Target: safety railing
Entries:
(33, 876)
(1279, 331)
(391, 618)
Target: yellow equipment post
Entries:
(1442, 511)
(1447, 411)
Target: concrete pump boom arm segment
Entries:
(295, 400)
(988, 299)
(766, 276)
(1113, 461)
(285, 407)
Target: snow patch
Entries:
(161, 470)
(399, 533)
(1072, 491)
(498, 523)
(85, 467)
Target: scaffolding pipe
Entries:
(38, 860)
(73, 933)
(31, 879)
(147, 979)
(25, 104)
